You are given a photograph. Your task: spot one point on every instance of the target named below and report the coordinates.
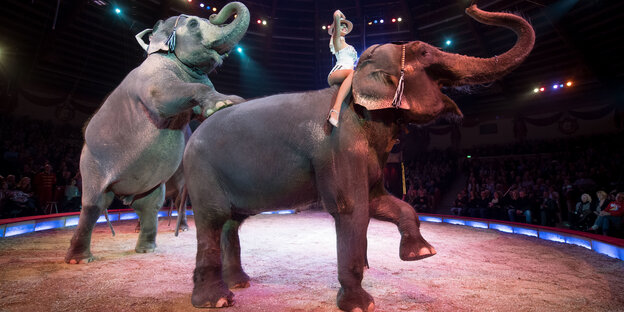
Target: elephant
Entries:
(135, 141)
(279, 151)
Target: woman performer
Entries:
(346, 56)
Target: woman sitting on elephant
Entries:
(346, 56)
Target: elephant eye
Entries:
(382, 77)
(193, 23)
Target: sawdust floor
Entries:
(292, 263)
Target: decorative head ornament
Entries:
(346, 22)
(171, 41)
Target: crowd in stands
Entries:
(572, 182)
(569, 182)
(428, 176)
(38, 166)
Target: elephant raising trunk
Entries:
(472, 70)
(232, 32)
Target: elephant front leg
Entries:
(147, 208)
(389, 208)
(209, 289)
(92, 206)
(351, 244)
(233, 273)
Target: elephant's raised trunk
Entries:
(472, 70)
(233, 32)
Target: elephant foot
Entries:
(76, 258)
(355, 301)
(236, 279)
(415, 248)
(218, 298)
(145, 247)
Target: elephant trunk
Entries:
(473, 70)
(233, 32)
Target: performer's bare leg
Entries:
(346, 77)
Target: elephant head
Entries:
(198, 42)
(377, 78)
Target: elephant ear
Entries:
(139, 38)
(158, 39)
(372, 91)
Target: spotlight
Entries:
(448, 42)
(370, 23)
(201, 5)
(381, 21)
(569, 83)
(561, 85)
(239, 50)
(264, 22)
(394, 20)
(190, 1)
(214, 9)
(259, 21)
(324, 27)
(207, 7)
(375, 21)
(117, 10)
(555, 86)
(542, 89)
(399, 19)
(535, 90)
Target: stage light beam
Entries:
(202, 5)
(399, 19)
(239, 50)
(569, 83)
(448, 42)
(117, 11)
(535, 90)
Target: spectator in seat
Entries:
(72, 197)
(421, 201)
(480, 206)
(522, 207)
(459, 206)
(578, 217)
(495, 207)
(610, 217)
(602, 203)
(548, 210)
(44, 185)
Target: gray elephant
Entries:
(135, 141)
(279, 151)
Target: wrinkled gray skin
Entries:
(135, 142)
(279, 151)
(174, 191)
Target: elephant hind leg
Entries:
(93, 203)
(389, 208)
(233, 273)
(147, 208)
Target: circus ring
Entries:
(481, 265)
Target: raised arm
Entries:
(336, 31)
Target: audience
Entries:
(545, 182)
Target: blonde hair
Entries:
(586, 198)
(601, 195)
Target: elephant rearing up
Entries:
(279, 151)
(135, 141)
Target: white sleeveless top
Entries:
(346, 57)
